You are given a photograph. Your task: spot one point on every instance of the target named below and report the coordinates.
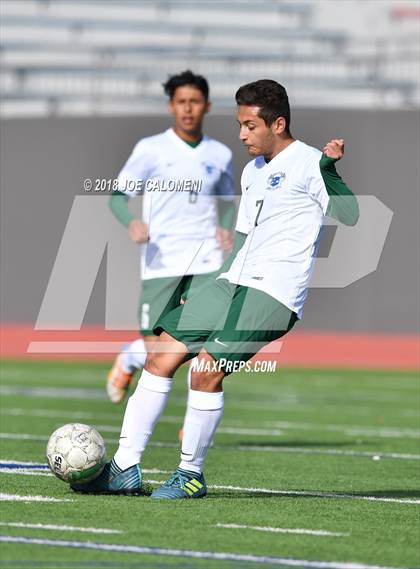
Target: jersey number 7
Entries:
(259, 204)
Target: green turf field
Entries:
(325, 451)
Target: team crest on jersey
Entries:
(275, 181)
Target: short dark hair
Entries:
(186, 78)
(270, 96)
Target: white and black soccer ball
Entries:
(76, 453)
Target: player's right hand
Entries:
(334, 149)
(138, 231)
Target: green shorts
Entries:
(160, 296)
(232, 322)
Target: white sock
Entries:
(134, 356)
(143, 411)
(203, 416)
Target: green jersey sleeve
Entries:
(118, 204)
(342, 204)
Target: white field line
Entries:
(310, 403)
(19, 498)
(241, 488)
(314, 494)
(33, 469)
(309, 494)
(285, 396)
(36, 467)
(393, 383)
(264, 560)
(53, 392)
(281, 402)
(338, 452)
(36, 472)
(375, 455)
(299, 531)
(256, 432)
(60, 528)
(24, 463)
(352, 430)
(303, 409)
(28, 465)
(24, 468)
(279, 426)
(24, 472)
(411, 413)
(64, 414)
(52, 373)
(257, 490)
(222, 430)
(23, 437)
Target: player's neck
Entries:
(195, 136)
(280, 145)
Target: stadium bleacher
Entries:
(62, 57)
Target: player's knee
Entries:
(162, 364)
(152, 364)
(206, 381)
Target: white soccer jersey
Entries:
(282, 210)
(181, 185)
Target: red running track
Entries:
(302, 349)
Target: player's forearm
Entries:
(118, 204)
(226, 212)
(238, 242)
(343, 204)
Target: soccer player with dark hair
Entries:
(186, 78)
(183, 233)
(257, 297)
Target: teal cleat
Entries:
(113, 480)
(182, 484)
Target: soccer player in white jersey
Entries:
(186, 181)
(258, 296)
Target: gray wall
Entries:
(43, 163)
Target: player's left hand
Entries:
(224, 239)
(334, 148)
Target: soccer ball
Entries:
(76, 453)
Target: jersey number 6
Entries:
(193, 196)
